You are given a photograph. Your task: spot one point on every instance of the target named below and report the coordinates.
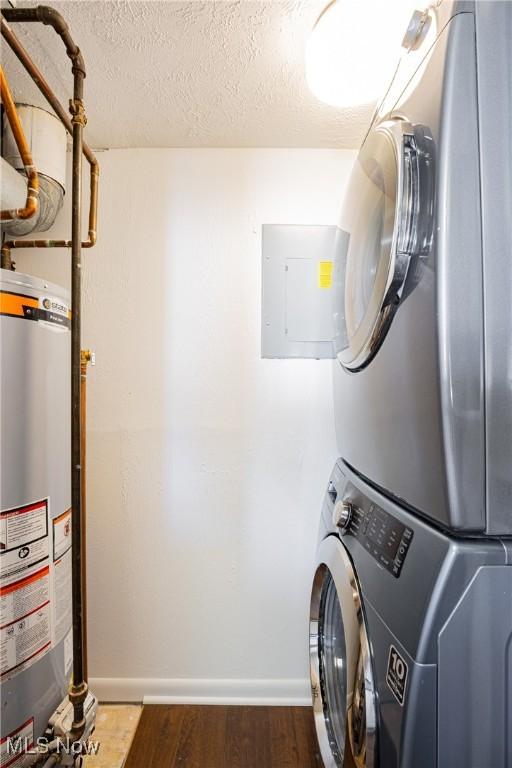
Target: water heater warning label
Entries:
(35, 585)
(23, 737)
(61, 597)
(25, 622)
(61, 534)
(24, 540)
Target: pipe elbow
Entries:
(91, 242)
(51, 17)
(30, 209)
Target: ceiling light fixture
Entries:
(354, 48)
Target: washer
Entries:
(423, 399)
(410, 638)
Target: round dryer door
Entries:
(341, 670)
(388, 220)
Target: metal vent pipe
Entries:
(45, 137)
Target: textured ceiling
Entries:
(190, 74)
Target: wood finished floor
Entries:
(224, 737)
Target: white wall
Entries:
(207, 465)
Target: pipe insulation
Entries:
(47, 140)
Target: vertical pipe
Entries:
(78, 690)
(85, 357)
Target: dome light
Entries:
(354, 49)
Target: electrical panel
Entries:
(298, 275)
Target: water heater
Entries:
(35, 514)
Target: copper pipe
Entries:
(32, 200)
(86, 356)
(34, 14)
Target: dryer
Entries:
(423, 399)
(410, 638)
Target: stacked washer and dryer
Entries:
(411, 609)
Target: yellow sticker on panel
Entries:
(324, 274)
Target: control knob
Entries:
(342, 515)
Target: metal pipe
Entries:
(11, 14)
(78, 690)
(38, 77)
(45, 15)
(32, 200)
(49, 16)
(86, 356)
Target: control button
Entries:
(332, 492)
(342, 514)
(385, 560)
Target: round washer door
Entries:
(388, 217)
(342, 680)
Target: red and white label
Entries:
(25, 622)
(35, 585)
(61, 534)
(24, 540)
(14, 746)
(62, 597)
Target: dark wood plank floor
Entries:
(224, 737)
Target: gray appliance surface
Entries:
(448, 614)
(36, 465)
(429, 419)
(494, 31)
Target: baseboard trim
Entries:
(286, 692)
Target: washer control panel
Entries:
(385, 537)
